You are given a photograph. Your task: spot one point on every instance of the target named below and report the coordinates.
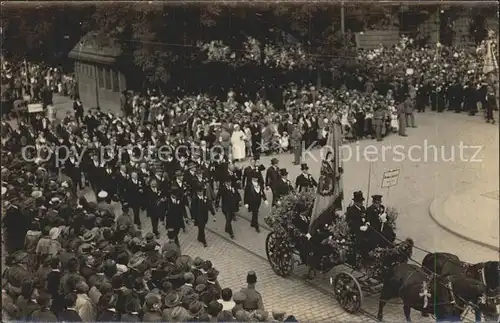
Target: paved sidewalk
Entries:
(470, 214)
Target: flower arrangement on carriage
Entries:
(289, 223)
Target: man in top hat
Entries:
(254, 195)
(200, 206)
(305, 180)
(272, 178)
(358, 222)
(175, 214)
(284, 186)
(254, 169)
(253, 299)
(190, 175)
(228, 198)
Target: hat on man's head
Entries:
(274, 161)
(149, 237)
(88, 236)
(304, 167)
(377, 198)
(102, 194)
(151, 300)
(178, 314)
(195, 308)
(212, 274)
(358, 196)
(172, 299)
(200, 288)
(54, 233)
(184, 261)
(198, 263)
(239, 298)
(283, 172)
(34, 194)
(178, 173)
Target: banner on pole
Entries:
(390, 178)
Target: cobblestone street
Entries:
(419, 183)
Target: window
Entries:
(107, 78)
(116, 81)
(100, 77)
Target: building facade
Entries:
(99, 76)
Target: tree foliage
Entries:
(41, 32)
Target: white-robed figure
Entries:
(238, 143)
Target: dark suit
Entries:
(228, 197)
(248, 174)
(155, 207)
(74, 171)
(108, 316)
(95, 176)
(303, 182)
(78, 108)
(174, 216)
(253, 198)
(110, 183)
(199, 210)
(134, 197)
(283, 188)
(272, 179)
(356, 218)
(69, 316)
(373, 216)
(122, 183)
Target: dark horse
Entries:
(444, 297)
(488, 273)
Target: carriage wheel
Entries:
(347, 292)
(279, 255)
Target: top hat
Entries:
(358, 196)
(304, 167)
(377, 198)
(283, 172)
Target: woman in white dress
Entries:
(238, 143)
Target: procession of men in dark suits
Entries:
(186, 189)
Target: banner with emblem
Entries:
(490, 55)
(330, 193)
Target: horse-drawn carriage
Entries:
(382, 269)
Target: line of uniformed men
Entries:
(175, 186)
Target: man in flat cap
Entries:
(253, 300)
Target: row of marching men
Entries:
(177, 192)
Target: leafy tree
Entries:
(41, 32)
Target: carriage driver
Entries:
(382, 235)
(358, 224)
